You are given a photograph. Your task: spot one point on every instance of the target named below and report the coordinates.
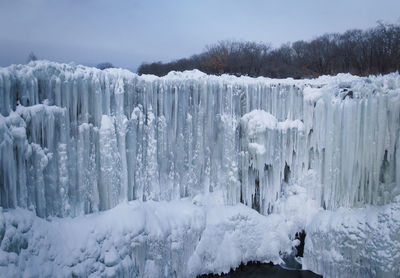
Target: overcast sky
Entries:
(129, 32)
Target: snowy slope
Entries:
(362, 242)
(184, 238)
(139, 239)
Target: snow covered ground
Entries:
(140, 239)
(107, 173)
(188, 237)
(361, 242)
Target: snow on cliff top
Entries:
(258, 121)
(340, 81)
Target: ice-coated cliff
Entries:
(76, 140)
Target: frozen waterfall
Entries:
(75, 140)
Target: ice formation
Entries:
(82, 129)
(76, 140)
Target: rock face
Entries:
(77, 140)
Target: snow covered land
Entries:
(107, 173)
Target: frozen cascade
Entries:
(320, 155)
(75, 140)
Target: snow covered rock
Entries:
(139, 239)
(363, 242)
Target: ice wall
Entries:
(75, 140)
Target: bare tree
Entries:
(105, 65)
(373, 51)
(31, 57)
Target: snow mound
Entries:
(258, 121)
(362, 242)
(139, 239)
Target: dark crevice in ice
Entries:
(300, 248)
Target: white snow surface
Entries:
(361, 242)
(188, 237)
(180, 238)
(319, 154)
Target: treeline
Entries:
(360, 52)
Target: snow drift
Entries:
(139, 239)
(77, 140)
